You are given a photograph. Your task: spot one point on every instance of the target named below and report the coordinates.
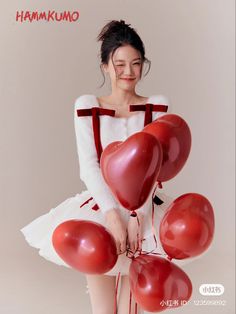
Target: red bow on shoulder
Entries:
(95, 112)
(148, 108)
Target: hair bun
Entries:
(112, 27)
(122, 22)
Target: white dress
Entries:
(38, 233)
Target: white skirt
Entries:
(38, 233)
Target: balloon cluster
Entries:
(131, 169)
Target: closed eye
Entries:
(121, 65)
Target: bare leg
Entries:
(102, 293)
(124, 298)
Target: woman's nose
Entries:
(128, 70)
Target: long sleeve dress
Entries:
(91, 204)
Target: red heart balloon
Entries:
(158, 284)
(130, 168)
(174, 136)
(85, 245)
(187, 228)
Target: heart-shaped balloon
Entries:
(187, 228)
(85, 245)
(174, 135)
(158, 284)
(130, 168)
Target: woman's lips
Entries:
(126, 79)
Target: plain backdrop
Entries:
(45, 66)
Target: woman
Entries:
(122, 59)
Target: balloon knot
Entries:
(159, 184)
(169, 258)
(133, 214)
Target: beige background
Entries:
(45, 67)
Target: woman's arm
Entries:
(90, 172)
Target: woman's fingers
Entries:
(118, 229)
(140, 244)
(133, 245)
(120, 249)
(135, 233)
(121, 246)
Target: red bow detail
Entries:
(95, 112)
(148, 108)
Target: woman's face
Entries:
(126, 71)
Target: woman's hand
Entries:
(117, 228)
(135, 232)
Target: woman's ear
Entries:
(104, 67)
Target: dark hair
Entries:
(116, 34)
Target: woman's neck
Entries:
(122, 99)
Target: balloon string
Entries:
(139, 231)
(153, 228)
(116, 292)
(130, 254)
(151, 252)
(130, 300)
(130, 304)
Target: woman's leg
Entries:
(101, 290)
(124, 298)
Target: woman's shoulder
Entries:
(159, 98)
(86, 101)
